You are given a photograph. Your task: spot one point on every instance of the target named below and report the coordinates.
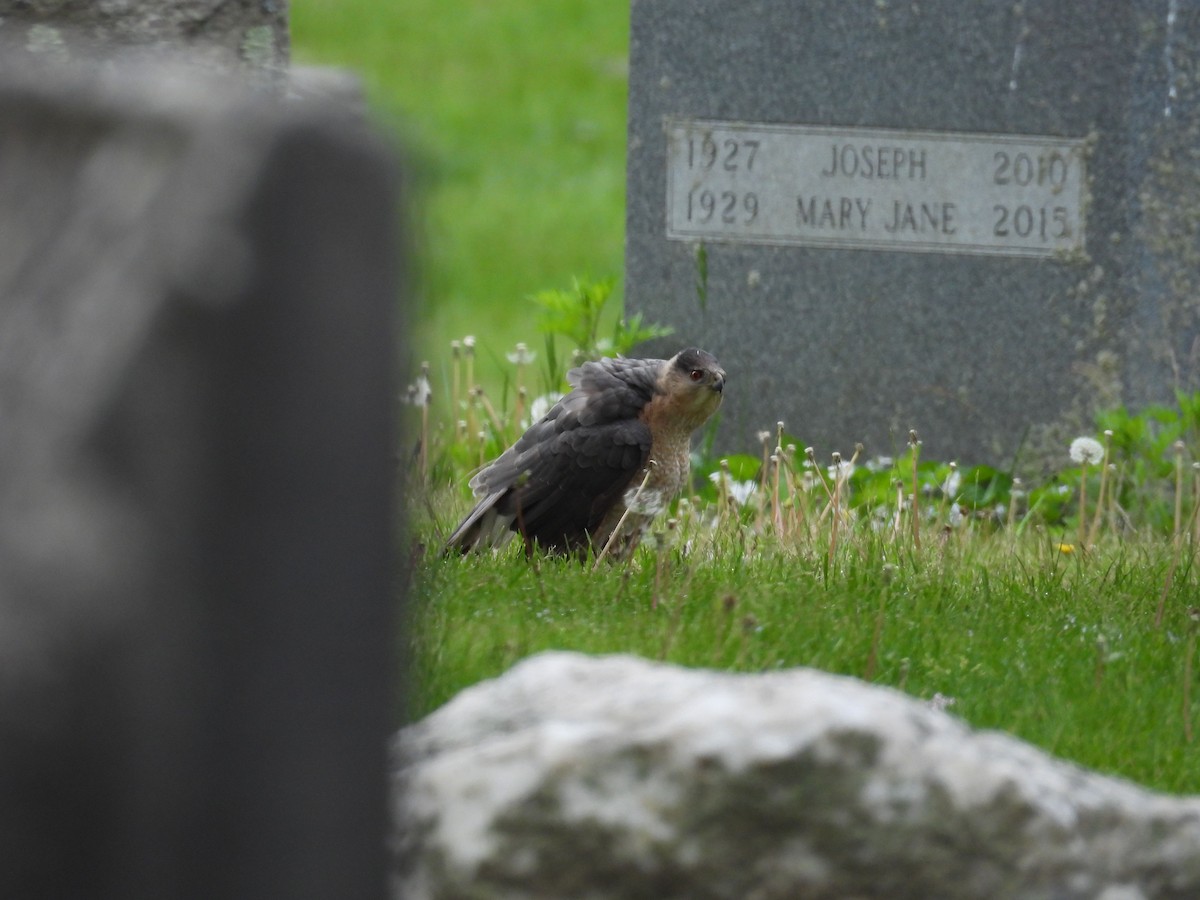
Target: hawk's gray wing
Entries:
(557, 482)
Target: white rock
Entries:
(579, 777)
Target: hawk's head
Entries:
(694, 380)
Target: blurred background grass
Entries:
(512, 117)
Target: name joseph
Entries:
(885, 162)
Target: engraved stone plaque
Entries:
(1006, 195)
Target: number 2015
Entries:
(1025, 221)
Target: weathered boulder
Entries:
(581, 777)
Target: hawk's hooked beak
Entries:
(719, 382)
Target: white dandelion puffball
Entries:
(739, 491)
(522, 356)
(539, 407)
(421, 393)
(1087, 450)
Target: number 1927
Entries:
(727, 153)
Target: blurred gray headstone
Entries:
(979, 220)
(197, 600)
(248, 36)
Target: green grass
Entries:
(512, 114)
(1056, 649)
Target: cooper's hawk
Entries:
(565, 484)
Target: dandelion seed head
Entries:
(1086, 450)
(539, 407)
(841, 468)
(953, 481)
(521, 356)
(739, 491)
(421, 393)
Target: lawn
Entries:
(1016, 628)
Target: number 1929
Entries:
(703, 205)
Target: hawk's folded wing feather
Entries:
(558, 481)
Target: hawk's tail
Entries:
(483, 528)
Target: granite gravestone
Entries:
(977, 220)
(250, 36)
(196, 486)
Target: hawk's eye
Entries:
(696, 374)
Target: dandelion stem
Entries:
(1083, 506)
(423, 458)
(1094, 534)
(456, 378)
(915, 443)
(834, 504)
(776, 509)
(1178, 491)
(493, 416)
(469, 387)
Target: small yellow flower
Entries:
(1066, 548)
